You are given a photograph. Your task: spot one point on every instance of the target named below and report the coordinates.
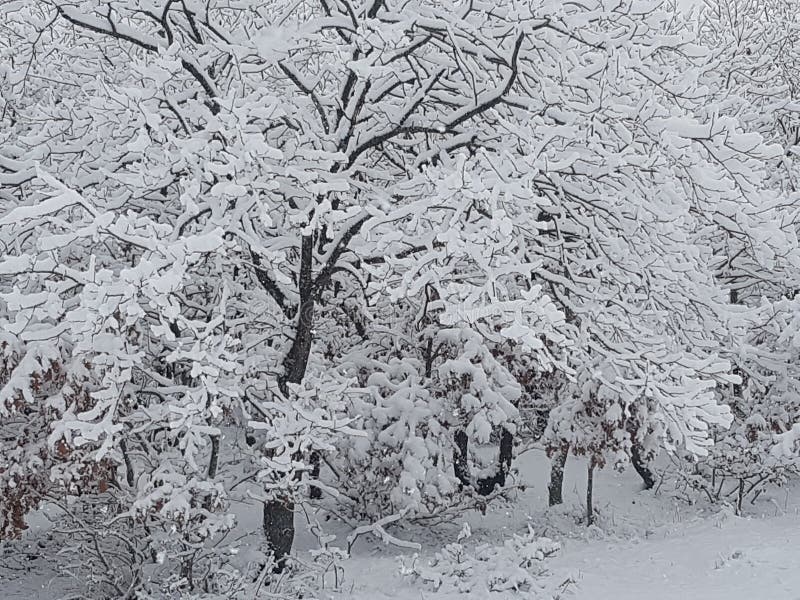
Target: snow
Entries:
(646, 545)
(747, 558)
(572, 186)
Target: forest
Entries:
(399, 299)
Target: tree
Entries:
(752, 74)
(201, 141)
(201, 248)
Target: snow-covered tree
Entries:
(187, 160)
(238, 235)
(752, 76)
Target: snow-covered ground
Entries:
(645, 546)
(751, 559)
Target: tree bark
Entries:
(460, 462)
(213, 464)
(315, 493)
(641, 467)
(297, 358)
(589, 493)
(740, 499)
(555, 488)
(278, 521)
(278, 525)
(506, 452)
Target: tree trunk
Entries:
(460, 461)
(641, 467)
(278, 522)
(740, 499)
(555, 488)
(296, 361)
(315, 493)
(589, 491)
(213, 464)
(187, 568)
(279, 530)
(506, 452)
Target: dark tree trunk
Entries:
(316, 462)
(187, 571)
(278, 520)
(296, 361)
(506, 451)
(213, 464)
(641, 466)
(460, 461)
(740, 499)
(279, 530)
(556, 486)
(297, 358)
(589, 493)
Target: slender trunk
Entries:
(296, 361)
(556, 485)
(460, 461)
(429, 356)
(740, 499)
(316, 463)
(506, 452)
(213, 463)
(278, 520)
(589, 491)
(187, 570)
(186, 573)
(737, 387)
(278, 516)
(641, 467)
(129, 473)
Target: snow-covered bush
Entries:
(742, 464)
(410, 460)
(516, 566)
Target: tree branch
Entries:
(324, 276)
(450, 127)
(272, 287)
(295, 77)
(146, 42)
